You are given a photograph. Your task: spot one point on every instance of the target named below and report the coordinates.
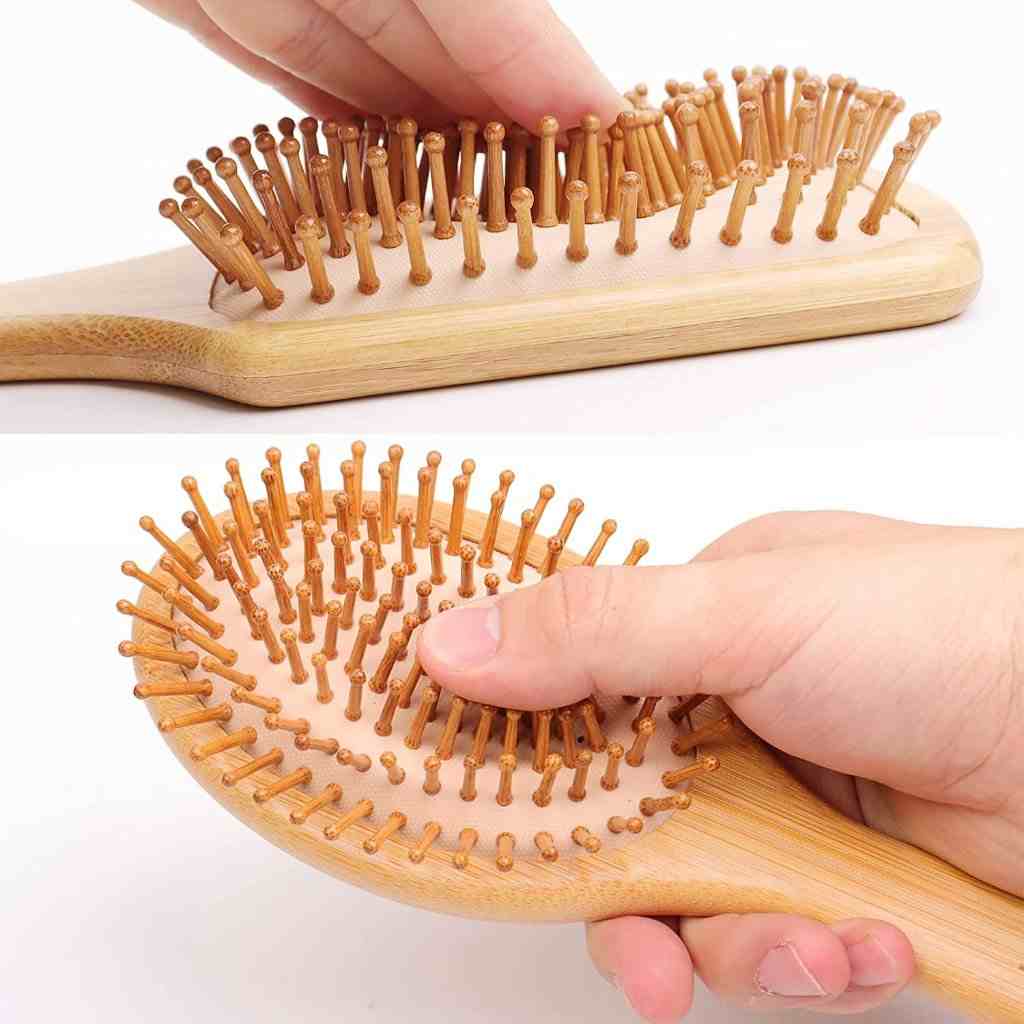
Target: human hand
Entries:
(429, 59)
(883, 660)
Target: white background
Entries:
(111, 103)
(129, 894)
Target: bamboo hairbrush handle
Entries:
(301, 734)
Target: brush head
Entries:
(308, 669)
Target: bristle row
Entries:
(651, 159)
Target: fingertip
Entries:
(879, 954)
(648, 962)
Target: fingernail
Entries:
(464, 638)
(783, 973)
(871, 966)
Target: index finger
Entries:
(525, 59)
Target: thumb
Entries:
(615, 631)
(832, 653)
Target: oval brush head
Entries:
(298, 640)
(275, 646)
(728, 216)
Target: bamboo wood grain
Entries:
(753, 840)
(141, 320)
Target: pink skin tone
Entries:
(432, 60)
(806, 625)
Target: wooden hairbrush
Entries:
(681, 229)
(275, 646)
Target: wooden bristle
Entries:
(419, 273)
(547, 193)
(363, 809)
(585, 838)
(170, 210)
(705, 765)
(369, 282)
(395, 772)
(431, 832)
(846, 171)
(468, 838)
(258, 230)
(630, 186)
(268, 760)
(223, 654)
(783, 230)
(296, 726)
(698, 177)
(578, 789)
(453, 724)
(473, 264)
(395, 822)
(494, 175)
(174, 688)
(903, 154)
(618, 825)
(328, 745)
(232, 675)
(545, 844)
(220, 713)
(506, 846)
(188, 659)
(380, 681)
(269, 705)
(177, 553)
(746, 178)
(377, 161)
(266, 630)
(649, 806)
(644, 732)
(359, 762)
(713, 731)
(143, 614)
(610, 778)
(320, 167)
(434, 144)
(468, 131)
(553, 764)
(307, 228)
(428, 703)
(577, 194)
(331, 794)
